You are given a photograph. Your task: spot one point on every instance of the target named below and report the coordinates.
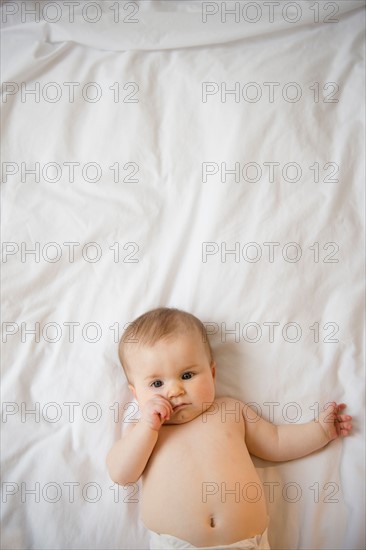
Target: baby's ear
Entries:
(213, 369)
(132, 389)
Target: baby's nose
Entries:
(175, 389)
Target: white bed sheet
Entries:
(110, 246)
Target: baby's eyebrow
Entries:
(151, 376)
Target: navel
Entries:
(212, 521)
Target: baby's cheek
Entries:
(207, 393)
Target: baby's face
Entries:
(177, 368)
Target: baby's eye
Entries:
(157, 384)
(187, 375)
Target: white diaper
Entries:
(168, 542)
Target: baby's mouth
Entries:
(180, 406)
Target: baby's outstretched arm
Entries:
(287, 442)
(128, 457)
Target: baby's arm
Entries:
(128, 457)
(287, 442)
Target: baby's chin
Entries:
(180, 418)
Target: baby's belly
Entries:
(207, 493)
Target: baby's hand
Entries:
(156, 411)
(333, 423)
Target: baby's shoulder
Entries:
(228, 410)
(229, 405)
(229, 401)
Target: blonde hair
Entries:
(157, 324)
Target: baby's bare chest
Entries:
(206, 448)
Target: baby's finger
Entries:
(343, 417)
(164, 411)
(166, 402)
(345, 430)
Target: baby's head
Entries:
(166, 352)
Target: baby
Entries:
(199, 485)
